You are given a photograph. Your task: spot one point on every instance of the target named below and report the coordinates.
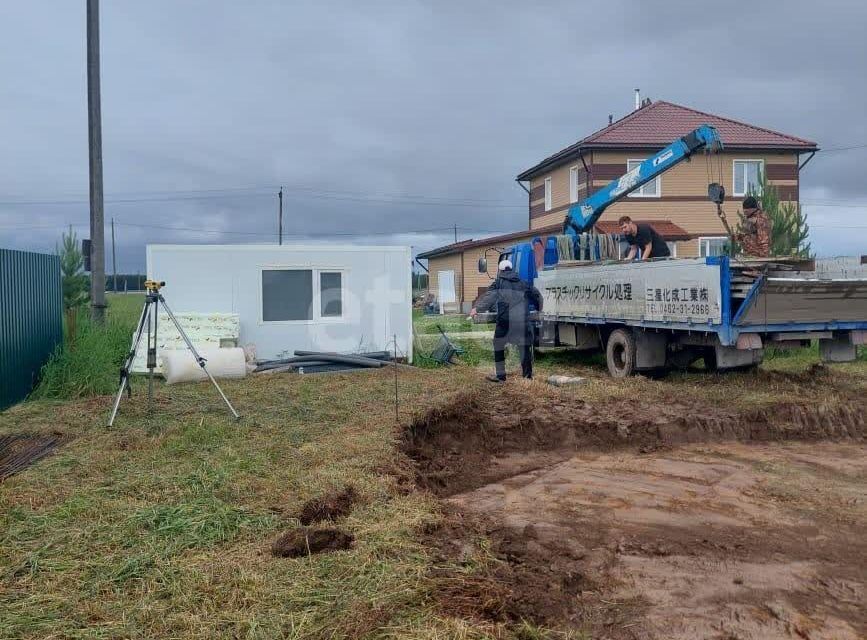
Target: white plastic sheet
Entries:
(180, 365)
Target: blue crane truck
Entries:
(670, 312)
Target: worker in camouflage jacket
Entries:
(510, 297)
(754, 234)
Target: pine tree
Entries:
(75, 283)
(789, 228)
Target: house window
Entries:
(747, 177)
(712, 246)
(672, 248)
(573, 184)
(287, 294)
(331, 294)
(652, 189)
(547, 194)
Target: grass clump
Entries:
(202, 522)
(452, 323)
(88, 365)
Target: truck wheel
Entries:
(620, 353)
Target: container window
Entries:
(287, 294)
(331, 294)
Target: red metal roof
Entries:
(659, 123)
(667, 229)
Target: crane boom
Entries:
(582, 216)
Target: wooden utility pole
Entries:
(280, 226)
(94, 121)
(113, 258)
(456, 233)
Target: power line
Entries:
(834, 204)
(269, 190)
(299, 235)
(856, 146)
(287, 195)
(17, 203)
(45, 226)
(295, 191)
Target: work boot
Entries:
(494, 378)
(500, 370)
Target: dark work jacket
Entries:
(510, 297)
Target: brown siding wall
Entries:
(687, 249)
(559, 190)
(552, 217)
(473, 280)
(683, 189)
(445, 263)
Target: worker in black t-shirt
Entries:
(642, 237)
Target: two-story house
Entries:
(675, 204)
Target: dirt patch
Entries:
(306, 541)
(466, 444)
(580, 517)
(332, 506)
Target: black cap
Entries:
(750, 203)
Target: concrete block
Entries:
(731, 357)
(839, 349)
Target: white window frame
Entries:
(318, 296)
(573, 184)
(316, 272)
(548, 195)
(672, 247)
(702, 239)
(638, 192)
(746, 186)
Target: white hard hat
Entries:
(505, 264)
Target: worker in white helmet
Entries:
(510, 297)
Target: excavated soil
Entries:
(577, 516)
(332, 506)
(470, 442)
(306, 541)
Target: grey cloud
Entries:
(444, 99)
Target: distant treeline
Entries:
(125, 282)
(419, 280)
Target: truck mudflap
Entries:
(779, 301)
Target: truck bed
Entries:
(715, 294)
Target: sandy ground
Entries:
(675, 524)
(729, 541)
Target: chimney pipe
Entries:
(637, 98)
(610, 118)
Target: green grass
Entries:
(161, 526)
(452, 323)
(88, 365)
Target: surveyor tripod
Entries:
(149, 319)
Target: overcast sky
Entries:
(394, 117)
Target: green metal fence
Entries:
(31, 319)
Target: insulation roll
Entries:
(179, 365)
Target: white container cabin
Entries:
(329, 297)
